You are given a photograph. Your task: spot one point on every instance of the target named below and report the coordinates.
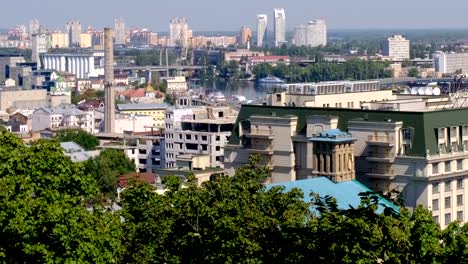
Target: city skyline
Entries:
(156, 16)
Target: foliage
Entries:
(413, 72)
(355, 69)
(80, 137)
(227, 220)
(43, 217)
(106, 168)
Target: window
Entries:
(218, 148)
(448, 186)
(203, 138)
(460, 200)
(459, 164)
(278, 97)
(220, 114)
(447, 166)
(435, 218)
(180, 136)
(435, 168)
(447, 202)
(435, 187)
(459, 184)
(448, 218)
(435, 204)
(460, 216)
(188, 137)
(218, 138)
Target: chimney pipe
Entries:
(109, 110)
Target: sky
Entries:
(204, 15)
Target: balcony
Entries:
(381, 173)
(259, 133)
(261, 149)
(384, 157)
(387, 141)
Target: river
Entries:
(250, 90)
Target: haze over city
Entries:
(223, 15)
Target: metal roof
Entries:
(346, 193)
(145, 106)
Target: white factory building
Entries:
(82, 64)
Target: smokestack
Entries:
(109, 101)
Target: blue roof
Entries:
(346, 193)
(333, 135)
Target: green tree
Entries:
(44, 217)
(413, 72)
(80, 137)
(107, 167)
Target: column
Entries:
(62, 63)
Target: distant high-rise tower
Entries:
(74, 33)
(40, 44)
(397, 48)
(120, 33)
(316, 33)
(109, 95)
(34, 27)
(300, 35)
(262, 25)
(246, 35)
(178, 32)
(280, 27)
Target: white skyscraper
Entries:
(300, 35)
(120, 35)
(178, 32)
(280, 27)
(262, 22)
(40, 44)
(34, 26)
(74, 33)
(316, 33)
(397, 48)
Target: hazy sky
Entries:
(231, 15)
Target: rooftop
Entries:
(142, 106)
(346, 193)
(62, 111)
(333, 135)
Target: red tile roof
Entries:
(146, 177)
(138, 92)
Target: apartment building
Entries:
(417, 146)
(156, 110)
(62, 117)
(397, 48)
(198, 131)
(340, 94)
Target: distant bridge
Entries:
(158, 68)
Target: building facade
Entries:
(450, 63)
(156, 111)
(62, 117)
(313, 34)
(40, 44)
(245, 36)
(198, 131)
(120, 31)
(397, 48)
(421, 152)
(74, 33)
(279, 26)
(83, 64)
(178, 32)
(262, 29)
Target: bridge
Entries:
(158, 68)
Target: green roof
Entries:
(424, 124)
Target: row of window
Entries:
(448, 218)
(447, 166)
(447, 202)
(448, 186)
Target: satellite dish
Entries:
(407, 90)
(436, 91)
(414, 90)
(429, 90)
(422, 91)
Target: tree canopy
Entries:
(45, 217)
(80, 137)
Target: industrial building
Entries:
(82, 63)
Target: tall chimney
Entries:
(109, 101)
